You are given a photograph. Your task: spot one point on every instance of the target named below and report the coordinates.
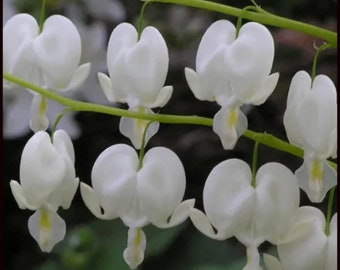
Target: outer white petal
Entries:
(219, 34)
(229, 124)
(305, 250)
(228, 197)
(64, 192)
(249, 60)
(134, 253)
(160, 184)
(299, 85)
(114, 178)
(58, 51)
(316, 178)
(18, 58)
(47, 228)
(195, 85)
(277, 200)
(134, 128)
(41, 168)
(316, 116)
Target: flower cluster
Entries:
(233, 67)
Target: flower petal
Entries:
(160, 184)
(228, 197)
(229, 124)
(47, 228)
(134, 253)
(106, 85)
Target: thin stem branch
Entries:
(263, 17)
(263, 138)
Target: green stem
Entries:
(42, 15)
(329, 210)
(142, 148)
(254, 164)
(318, 51)
(263, 138)
(141, 19)
(239, 20)
(260, 17)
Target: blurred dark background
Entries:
(93, 244)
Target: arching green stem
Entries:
(262, 17)
(239, 20)
(263, 138)
(56, 122)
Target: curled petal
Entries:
(47, 228)
(202, 223)
(332, 248)
(160, 184)
(78, 78)
(19, 196)
(271, 262)
(229, 124)
(106, 85)
(180, 214)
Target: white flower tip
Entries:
(134, 253)
(106, 85)
(47, 228)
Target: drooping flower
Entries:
(137, 69)
(138, 195)
(233, 70)
(49, 58)
(310, 121)
(306, 246)
(252, 214)
(47, 181)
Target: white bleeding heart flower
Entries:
(49, 58)
(233, 71)
(306, 246)
(47, 181)
(252, 214)
(138, 67)
(310, 121)
(139, 194)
